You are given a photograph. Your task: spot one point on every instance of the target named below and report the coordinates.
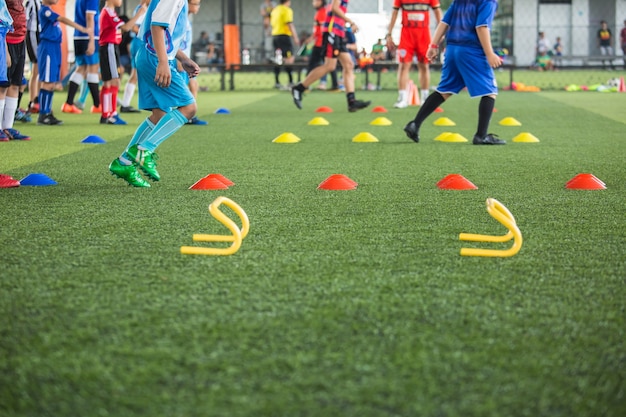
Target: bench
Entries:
(587, 60)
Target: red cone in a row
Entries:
(337, 182)
(324, 109)
(585, 182)
(212, 182)
(456, 182)
(379, 109)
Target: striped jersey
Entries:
(335, 24)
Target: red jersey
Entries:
(333, 23)
(110, 24)
(18, 14)
(416, 13)
(318, 22)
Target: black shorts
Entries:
(15, 73)
(333, 45)
(32, 42)
(316, 58)
(109, 61)
(81, 45)
(283, 42)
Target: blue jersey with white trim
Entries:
(171, 15)
(83, 8)
(464, 16)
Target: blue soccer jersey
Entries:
(464, 16)
(81, 9)
(171, 15)
(50, 29)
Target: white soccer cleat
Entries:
(400, 104)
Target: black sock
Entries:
(276, 73)
(19, 99)
(300, 87)
(485, 110)
(350, 97)
(71, 92)
(333, 77)
(430, 105)
(95, 94)
(288, 71)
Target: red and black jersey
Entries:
(416, 13)
(18, 14)
(110, 24)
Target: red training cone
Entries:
(337, 182)
(585, 182)
(622, 87)
(379, 109)
(210, 182)
(438, 110)
(324, 109)
(456, 182)
(222, 178)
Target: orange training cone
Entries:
(438, 110)
(210, 182)
(337, 182)
(379, 109)
(222, 178)
(456, 182)
(414, 97)
(324, 109)
(585, 182)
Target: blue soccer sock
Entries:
(84, 90)
(142, 132)
(167, 126)
(45, 101)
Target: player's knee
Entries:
(189, 110)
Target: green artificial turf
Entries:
(339, 303)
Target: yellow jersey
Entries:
(280, 18)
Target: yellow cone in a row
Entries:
(318, 121)
(450, 137)
(287, 137)
(364, 137)
(526, 137)
(444, 121)
(381, 121)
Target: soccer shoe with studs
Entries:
(128, 173)
(357, 105)
(14, 134)
(48, 119)
(412, 132)
(297, 97)
(146, 160)
(70, 108)
(489, 139)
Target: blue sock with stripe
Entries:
(167, 126)
(45, 101)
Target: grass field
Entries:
(339, 303)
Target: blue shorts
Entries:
(467, 67)
(49, 59)
(80, 51)
(135, 46)
(3, 55)
(151, 96)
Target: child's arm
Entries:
(485, 41)
(163, 76)
(131, 23)
(66, 21)
(188, 64)
(433, 48)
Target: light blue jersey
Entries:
(170, 14)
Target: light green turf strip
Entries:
(594, 102)
(17, 154)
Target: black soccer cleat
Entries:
(297, 97)
(489, 139)
(358, 105)
(412, 132)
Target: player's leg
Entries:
(15, 75)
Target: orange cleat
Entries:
(95, 109)
(70, 108)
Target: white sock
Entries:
(129, 90)
(2, 102)
(10, 105)
(403, 95)
(76, 78)
(424, 95)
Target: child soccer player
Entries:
(469, 62)
(49, 57)
(111, 27)
(162, 89)
(335, 49)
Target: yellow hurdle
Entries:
(237, 234)
(499, 212)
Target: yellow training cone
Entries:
(364, 137)
(318, 121)
(510, 121)
(381, 121)
(287, 137)
(444, 121)
(525, 137)
(451, 137)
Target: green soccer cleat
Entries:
(145, 160)
(128, 173)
